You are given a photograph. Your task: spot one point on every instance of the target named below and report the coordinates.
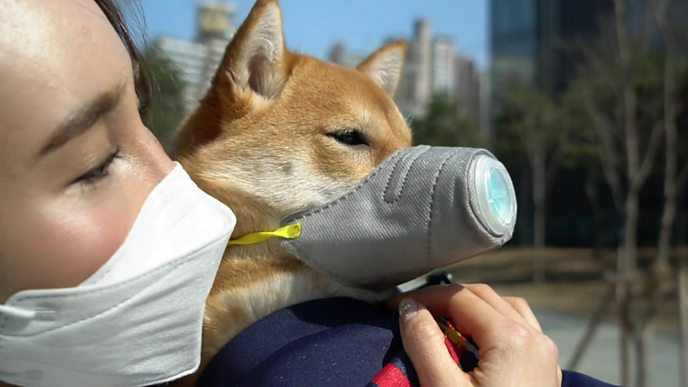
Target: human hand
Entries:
(513, 349)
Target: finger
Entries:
(470, 314)
(498, 302)
(424, 343)
(521, 306)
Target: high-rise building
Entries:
(541, 43)
(198, 60)
(467, 88)
(443, 60)
(535, 42)
(337, 53)
(341, 55)
(420, 64)
(416, 86)
(486, 129)
(538, 43)
(432, 68)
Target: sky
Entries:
(312, 26)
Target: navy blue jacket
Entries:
(329, 342)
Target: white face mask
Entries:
(137, 321)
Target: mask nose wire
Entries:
(17, 313)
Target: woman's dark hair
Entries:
(141, 81)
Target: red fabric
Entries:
(453, 351)
(391, 376)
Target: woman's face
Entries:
(76, 162)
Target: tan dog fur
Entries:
(264, 142)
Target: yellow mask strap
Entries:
(290, 231)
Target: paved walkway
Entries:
(602, 357)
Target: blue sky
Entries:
(311, 26)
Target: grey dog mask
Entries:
(422, 208)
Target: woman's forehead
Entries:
(41, 29)
(54, 55)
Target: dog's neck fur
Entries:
(256, 280)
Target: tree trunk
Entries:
(683, 320)
(682, 228)
(628, 266)
(622, 303)
(591, 328)
(670, 204)
(539, 212)
(671, 141)
(642, 339)
(628, 279)
(598, 214)
(662, 265)
(630, 263)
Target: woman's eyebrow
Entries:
(83, 118)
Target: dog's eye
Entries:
(351, 137)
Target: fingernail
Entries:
(407, 308)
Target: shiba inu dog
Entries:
(279, 133)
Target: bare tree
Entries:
(638, 168)
(673, 184)
(629, 138)
(534, 117)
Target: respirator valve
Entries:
(495, 203)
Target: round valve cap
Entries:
(495, 195)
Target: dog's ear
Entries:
(384, 66)
(254, 67)
(256, 59)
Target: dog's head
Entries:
(288, 132)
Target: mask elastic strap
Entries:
(17, 313)
(291, 231)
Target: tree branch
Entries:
(650, 156)
(682, 178)
(609, 155)
(554, 164)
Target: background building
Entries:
(467, 89)
(415, 89)
(433, 68)
(341, 55)
(536, 42)
(443, 58)
(198, 60)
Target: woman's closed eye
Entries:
(98, 172)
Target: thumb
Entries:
(424, 343)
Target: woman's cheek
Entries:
(75, 244)
(58, 241)
(67, 239)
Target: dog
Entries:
(280, 133)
